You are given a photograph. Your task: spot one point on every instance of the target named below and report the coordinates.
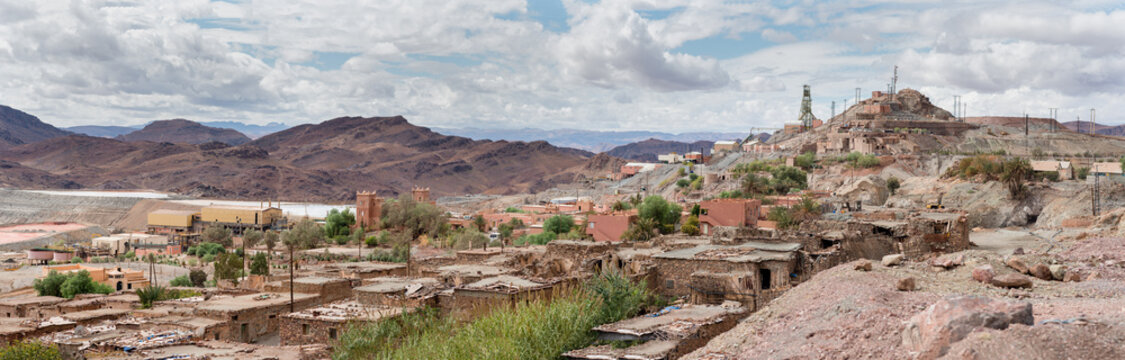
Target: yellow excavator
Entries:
(938, 205)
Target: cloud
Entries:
(611, 45)
(778, 36)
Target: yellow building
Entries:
(172, 222)
(116, 278)
(241, 216)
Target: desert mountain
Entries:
(326, 161)
(648, 150)
(589, 140)
(182, 131)
(106, 131)
(1111, 130)
(18, 127)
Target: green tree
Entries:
(270, 238)
(338, 223)
(621, 206)
(228, 266)
(805, 161)
(662, 213)
(149, 295)
(780, 215)
(788, 178)
(218, 235)
(753, 184)
(479, 222)
(306, 234)
(1016, 172)
(251, 238)
(50, 285)
(82, 283)
(559, 224)
(683, 183)
(414, 218)
(260, 265)
(893, 184)
(505, 233)
(517, 223)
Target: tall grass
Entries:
(541, 329)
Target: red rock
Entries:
(863, 265)
(1011, 281)
(942, 262)
(984, 274)
(1093, 275)
(905, 284)
(1017, 264)
(1042, 272)
(931, 332)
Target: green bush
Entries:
(893, 184)
(207, 248)
(805, 161)
(691, 226)
(198, 278)
(30, 350)
(537, 239)
(683, 183)
(228, 267)
(338, 223)
(150, 295)
(662, 213)
(182, 280)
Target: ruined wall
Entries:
(674, 276)
(300, 331)
(257, 322)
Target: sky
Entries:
(663, 65)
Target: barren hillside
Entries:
(18, 127)
(182, 131)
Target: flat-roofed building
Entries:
(251, 317)
(172, 222)
(242, 217)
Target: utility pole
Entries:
(290, 246)
(1093, 125)
(833, 109)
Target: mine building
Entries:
(240, 218)
(174, 223)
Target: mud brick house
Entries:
(494, 292)
(328, 289)
(324, 324)
(459, 274)
(368, 210)
(927, 232)
(609, 227)
(14, 329)
(35, 307)
(728, 212)
(250, 317)
(400, 292)
(668, 334)
(752, 269)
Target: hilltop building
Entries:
(368, 210)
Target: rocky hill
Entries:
(184, 132)
(647, 150)
(106, 131)
(326, 161)
(18, 128)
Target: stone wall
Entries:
(674, 276)
(300, 331)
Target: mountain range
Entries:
(250, 130)
(186, 132)
(313, 162)
(589, 140)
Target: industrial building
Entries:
(240, 218)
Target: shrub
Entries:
(512, 209)
(1082, 173)
(683, 183)
(30, 349)
(537, 239)
(207, 248)
(218, 235)
(338, 223)
(75, 260)
(691, 226)
(208, 258)
(149, 295)
(198, 277)
(182, 280)
(662, 213)
(780, 215)
(69, 285)
(805, 161)
(228, 267)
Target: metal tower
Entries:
(806, 110)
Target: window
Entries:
(234, 317)
(332, 333)
(130, 286)
(764, 274)
(216, 336)
(273, 316)
(304, 329)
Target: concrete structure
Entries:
(324, 324)
(1063, 168)
(242, 217)
(250, 317)
(172, 222)
(116, 278)
(609, 227)
(728, 212)
(368, 210)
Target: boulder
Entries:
(1093, 275)
(984, 274)
(1011, 281)
(863, 265)
(1017, 264)
(930, 333)
(1041, 271)
(943, 262)
(1072, 276)
(893, 259)
(905, 284)
(1058, 272)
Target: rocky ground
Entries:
(847, 313)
